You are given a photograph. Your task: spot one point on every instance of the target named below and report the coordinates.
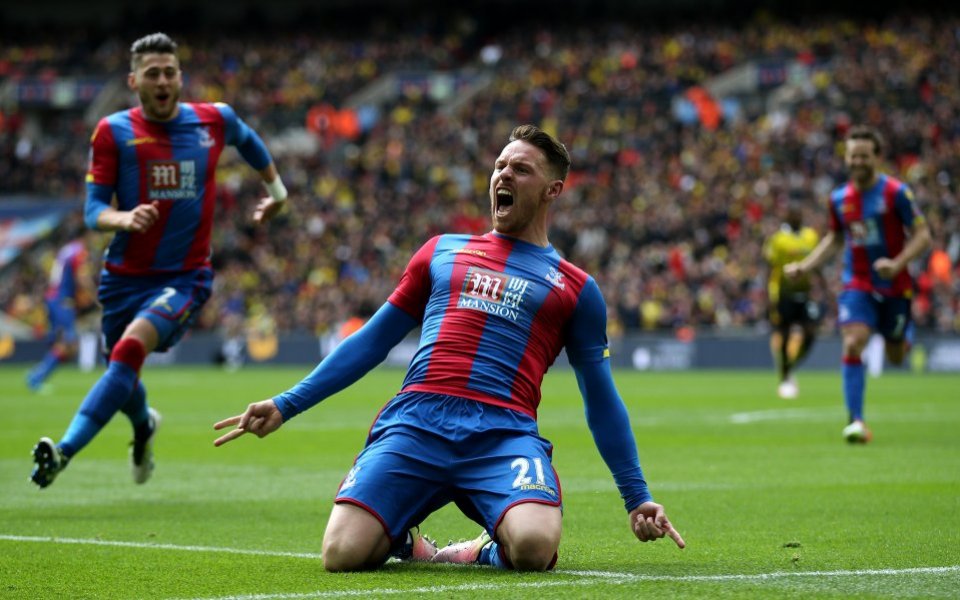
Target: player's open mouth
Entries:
(162, 98)
(504, 201)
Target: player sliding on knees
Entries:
(495, 311)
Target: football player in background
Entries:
(875, 220)
(495, 310)
(794, 315)
(70, 290)
(159, 161)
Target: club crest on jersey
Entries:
(171, 179)
(864, 233)
(858, 232)
(556, 278)
(206, 140)
(351, 478)
(493, 293)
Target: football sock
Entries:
(909, 337)
(405, 550)
(136, 410)
(785, 362)
(494, 555)
(490, 555)
(45, 367)
(105, 398)
(854, 384)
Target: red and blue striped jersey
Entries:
(65, 271)
(875, 224)
(495, 314)
(173, 163)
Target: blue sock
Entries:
(104, 399)
(853, 387)
(136, 410)
(43, 369)
(490, 555)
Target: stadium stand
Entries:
(685, 140)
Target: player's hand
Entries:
(267, 209)
(886, 268)
(793, 270)
(649, 523)
(260, 419)
(142, 217)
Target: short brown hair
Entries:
(155, 43)
(865, 132)
(557, 156)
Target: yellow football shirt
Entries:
(784, 247)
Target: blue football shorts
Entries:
(887, 315)
(63, 321)
(427, 450)
(170, 302)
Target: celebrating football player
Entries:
(159, 160)
(875, 220)
(495, 310)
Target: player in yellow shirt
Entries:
(793, 314)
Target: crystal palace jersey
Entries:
(496, 312)
(173, 163)
(874, 224)
(65, 271)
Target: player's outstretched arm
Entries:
(260, 418)
(350, 360)
(649, 523)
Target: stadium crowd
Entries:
(668, 208)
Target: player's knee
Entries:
(852, 353)
(853, 346)
(343, 555)
(335, 563)
(533, 551)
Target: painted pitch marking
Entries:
(586, 577)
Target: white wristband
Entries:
(276, 189)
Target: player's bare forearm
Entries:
(828, 246)
(918, 243)
(138, 220)
(268, 173)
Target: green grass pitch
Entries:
(771, 501)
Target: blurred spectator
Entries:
(669, 212)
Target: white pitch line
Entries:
(587, 577)
(590, 578)
(95, 542)
(433, 589)
(777, 414)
